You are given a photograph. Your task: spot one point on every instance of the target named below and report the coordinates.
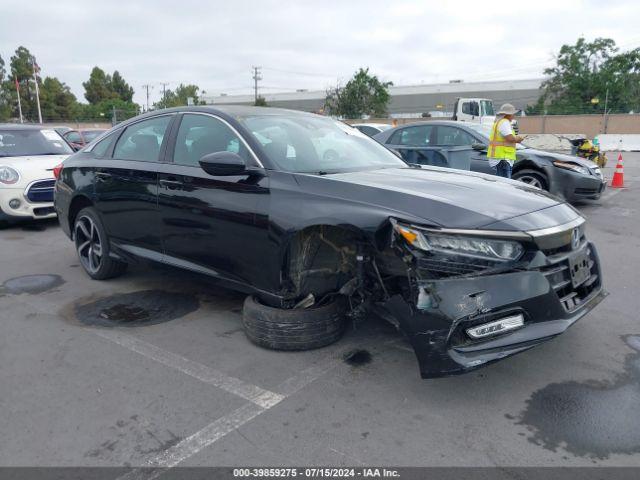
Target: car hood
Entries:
(33, 167)
(439, 196)
(33, 162)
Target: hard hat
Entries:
(507, 109)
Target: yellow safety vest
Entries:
(498, 147)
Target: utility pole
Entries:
(15, 75)
(35, 68)
(256, 77)
(604, 115)
(146, 87)
(164, 93)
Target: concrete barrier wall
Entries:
(590, 125)
(623, 143)
(81, 125)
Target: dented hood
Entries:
(440, 196)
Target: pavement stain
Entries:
(147, 307)
(137, 434)
(31, 284)
(357, 358)
(589, 419)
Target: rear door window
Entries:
(418, 136)
(447, 136)
(142, 140)
(101, 148)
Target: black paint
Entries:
(358, 358)
(136, 309)
(31, 284)
(590, 419)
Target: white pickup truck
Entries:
(475, 110)
(478, 110)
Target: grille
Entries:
(586, 191)
(40, 211)
(559, 277)
(41, 191)
(452, 265)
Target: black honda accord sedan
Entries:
(320, 224)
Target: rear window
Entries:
(20, 143)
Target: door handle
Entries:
(170, 183)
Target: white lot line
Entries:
(261, 397)
(213, 432)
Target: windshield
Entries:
(485, 131)
(487, 107)
(306, 144)
(20, 143)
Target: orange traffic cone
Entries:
(618, 175)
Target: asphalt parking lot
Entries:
(153, 369)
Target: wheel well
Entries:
(321, 259)
(77, 204)
(527, 165)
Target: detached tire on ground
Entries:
(293, 329)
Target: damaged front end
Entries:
(468, 298)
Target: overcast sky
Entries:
(303, 44)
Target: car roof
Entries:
(237, 111)
(25, 126)
(434, 122)
(375, 125)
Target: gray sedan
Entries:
(464, 146)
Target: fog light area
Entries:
(496, 327)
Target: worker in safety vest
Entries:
(502, 142)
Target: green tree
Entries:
(57, 101)
(5, 93)
(260, 102)
(179, 97)
(22, 69)
(586, 74)
(364, 94)
(121, 88)
(108, 110)
(99, 87)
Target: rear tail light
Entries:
(57, 170)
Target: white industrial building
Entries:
(406, 100)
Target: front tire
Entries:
(533, 178)
(293, 329)
(92, 246)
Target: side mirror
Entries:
(223, 163)
(479, 147)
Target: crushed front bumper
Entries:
(437, 319)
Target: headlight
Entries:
(476, 247)
(571, 166)
(8, 175)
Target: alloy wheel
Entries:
(88, 244)
(529, 180)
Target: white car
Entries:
(28, 156)
(371, 129)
